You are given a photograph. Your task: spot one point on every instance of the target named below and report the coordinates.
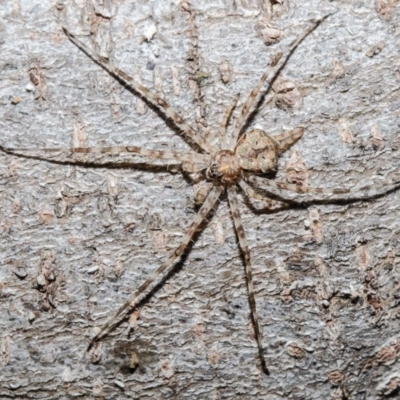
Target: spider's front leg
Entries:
(288, 139)
(159, 102)
(192, 161)
(275, 67)
(225, 140)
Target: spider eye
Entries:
(212, 171)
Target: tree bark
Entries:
(77, 239)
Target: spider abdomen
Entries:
(257, 152)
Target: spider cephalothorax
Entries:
(224, 167)
(256, 152)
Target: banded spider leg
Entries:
(306, 194)
(191, 158)
(159, 102)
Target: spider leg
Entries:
(288, 139)
(328, 194)
(250, 100)
(275, 67)
(233, 202)
(141, 151)
(144, 92)
(270, 203)
(138, 295)
(222, 129)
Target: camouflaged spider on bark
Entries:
(238, 160)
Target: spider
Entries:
(239, 160)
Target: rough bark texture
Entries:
(76, 241)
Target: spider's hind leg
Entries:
(269, 204)
(161, 273)
(233, 202)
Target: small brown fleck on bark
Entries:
(287, 94)
(94, 354)
(133, 361)
(80, 137)
(45, 214)
(167, 369)
(335, 377)
(279, 7)
(376, 138)
(346, 133)
(112, 184)
(36, 77)
(5, 349)
(295, 170)
(295, 351)
(98, 393)
(338, 70)
(16, 99)
(316, 225)
(60, 207)
(213, 358)
(388, 353)
(366, 264)
(158, 82)
(141, 107)
(159, 241)
(385, 8)
(374, 50)
(176, 84)
(114, 103)
(268, 33)
(119, 268)
(225, 71)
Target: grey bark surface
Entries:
(76, 241)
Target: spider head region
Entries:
(224, 167)
(255, 152)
